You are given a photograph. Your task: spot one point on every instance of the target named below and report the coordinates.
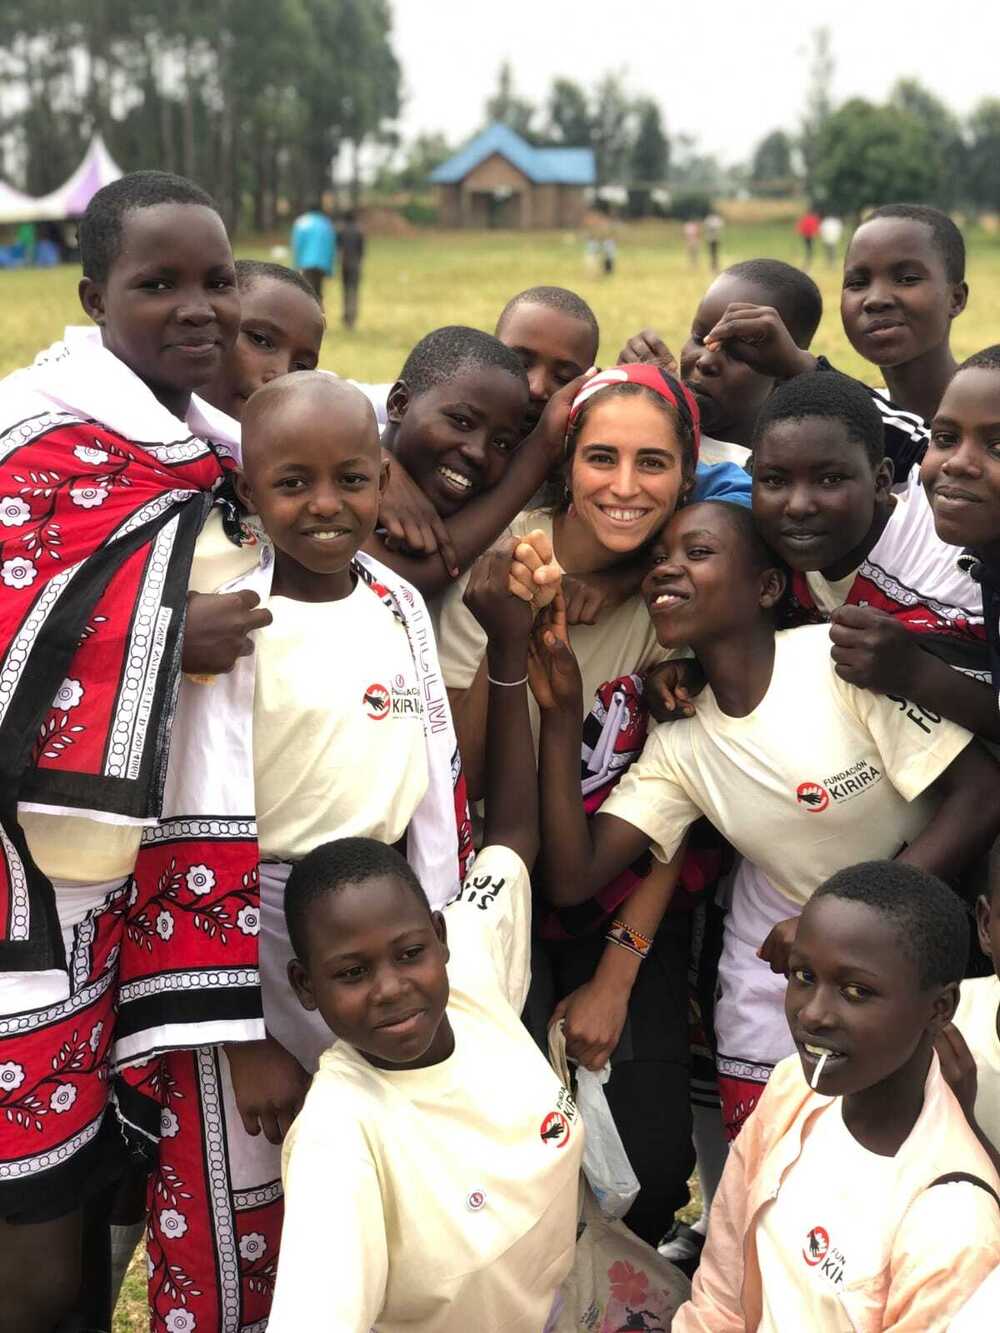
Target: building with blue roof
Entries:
(499, 179)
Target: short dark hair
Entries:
(796, 297)
(333, 865)
(927, 916)
(555, 298)
(445, 353)
(987, 359)
(828, 394)
(101, 226)
(250, 271)
(948, 240)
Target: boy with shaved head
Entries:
(336, 726)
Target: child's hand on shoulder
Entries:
(757, 336)
(535, 573)
(504, 616)
(553, 671)
(670, 687)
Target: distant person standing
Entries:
(831, 229)
(713, 235)
(808, 228)
(692, 240)
(314, 247)
(352, 251)
(609, 253)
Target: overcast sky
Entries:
(725, 70)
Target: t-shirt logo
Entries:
(554, 1130)
(812, 797)
(376, 702)
(816, 1246)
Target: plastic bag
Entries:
(605, 1162)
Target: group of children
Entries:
(712, 647)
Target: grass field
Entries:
(414, 284)
(417, 283)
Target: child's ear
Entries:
(772, 586)
(383, 476)
(959, 299)
(441, 931)
(944, 1007)
(92, 299)
(397, 402)
(885, 474)
(243, 491)
(984, 911)
(298, 978)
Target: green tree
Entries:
(771, 168)
(569, 117)
(868, 155)
(911, 97)
(506, 107)
(611, 135)
(649, 159)
(984, 154)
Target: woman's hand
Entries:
(410, 521)
(778, 945)
(593, 1018)
(269, 1085)
(504, 616)
(670, 687)
(553, 671)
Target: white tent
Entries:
(71, 199)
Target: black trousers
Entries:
(648, 1092)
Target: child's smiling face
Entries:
(961, 469)
(312, 472)
(853, 992)
(376, 972)
(897, 301)
(457, 437)
(169, 307)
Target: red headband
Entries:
(650, 377)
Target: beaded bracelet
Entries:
(627, 938)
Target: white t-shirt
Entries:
(623, 640)
(976, 1019)
(338, 732)
(979, 1314)
(820, 774)
(814, 1237)
(440, 1199)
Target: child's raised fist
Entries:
(535, 574)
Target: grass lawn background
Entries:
(417, 283)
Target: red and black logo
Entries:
(816, 1246)
(377, 703)
(812, 796)
(554, 1130)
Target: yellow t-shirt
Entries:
(820, 775)
(440, 1199)
(976, 1019)
(623, 640)
(338, 733)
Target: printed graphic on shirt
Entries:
(480, 890)
(839, 787)
(826, 1259)
(554, 1130)
(401, 701)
